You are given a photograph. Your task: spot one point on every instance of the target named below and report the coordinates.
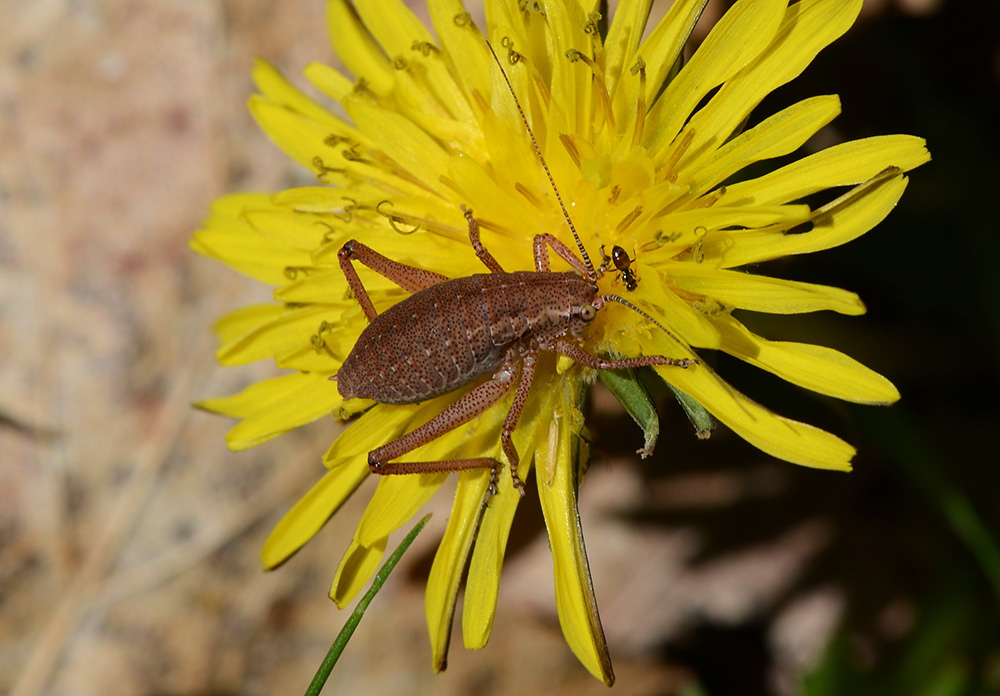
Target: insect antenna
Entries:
(602, 299)
(545, 166)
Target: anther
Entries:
(640, 109)
(629, 219)
(592, 25)
(347, 211)
(323, 170)
(399, 63)
(462, 19)
(352, 155)
(394, 220)
(424, 47)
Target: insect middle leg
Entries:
(407, 277)
(462, 411)
(481, 251)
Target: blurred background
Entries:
(130, 536)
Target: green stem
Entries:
(323, 673)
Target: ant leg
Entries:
(589, 360)
(482, 252)
(407, 277)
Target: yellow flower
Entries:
(649, 156)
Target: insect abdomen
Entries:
(445, 336)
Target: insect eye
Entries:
(588, 312)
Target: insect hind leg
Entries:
(462, 411)
(407, 277)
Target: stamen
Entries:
(292, 272)
(640, 109)
(395, 219)
(333, 140)
(710, 199)
(424, 47)
(532, 198)
(616, 191)
(513, 57)
(317, 340)
(603, 97)
(361, 88)
(462, 19)
(352, 155)
(571, 148)
(629, 219)
(323, 170)
(679, 150)
(399, 63)
(347, 212)
(330, 231)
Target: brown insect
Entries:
(622, 263)
(450, 332)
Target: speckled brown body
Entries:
(445, 336)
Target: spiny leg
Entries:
(407, 277)
(462, 411)
(481, 251)
(520, 397)
(590, 360)
(563, 251)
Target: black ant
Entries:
(619, 257)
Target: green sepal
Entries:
(631, 394)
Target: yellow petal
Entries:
(660, 51)
(464, 44)
(395, 501)
(739, 37)
(258, 395)
(402, 140)
(819, 368)
(807, 28)
(624, 34)
(846, 164)
(840, 226)
(355, 46)
(278, 90)
(780, 437)
(236, 324)
(285, 331)
(315, 398)
(576, 604)
(483, 585)
(310, 513)
(357, 566)
(331, 82)
(396, 28)
(235, 244)
(450, 560)
(377, 427)
(776, 136)
(762, 294)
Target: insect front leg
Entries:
(590, 360)
(563, 251)
(462, 411)
(481, 251)
(407, 277)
